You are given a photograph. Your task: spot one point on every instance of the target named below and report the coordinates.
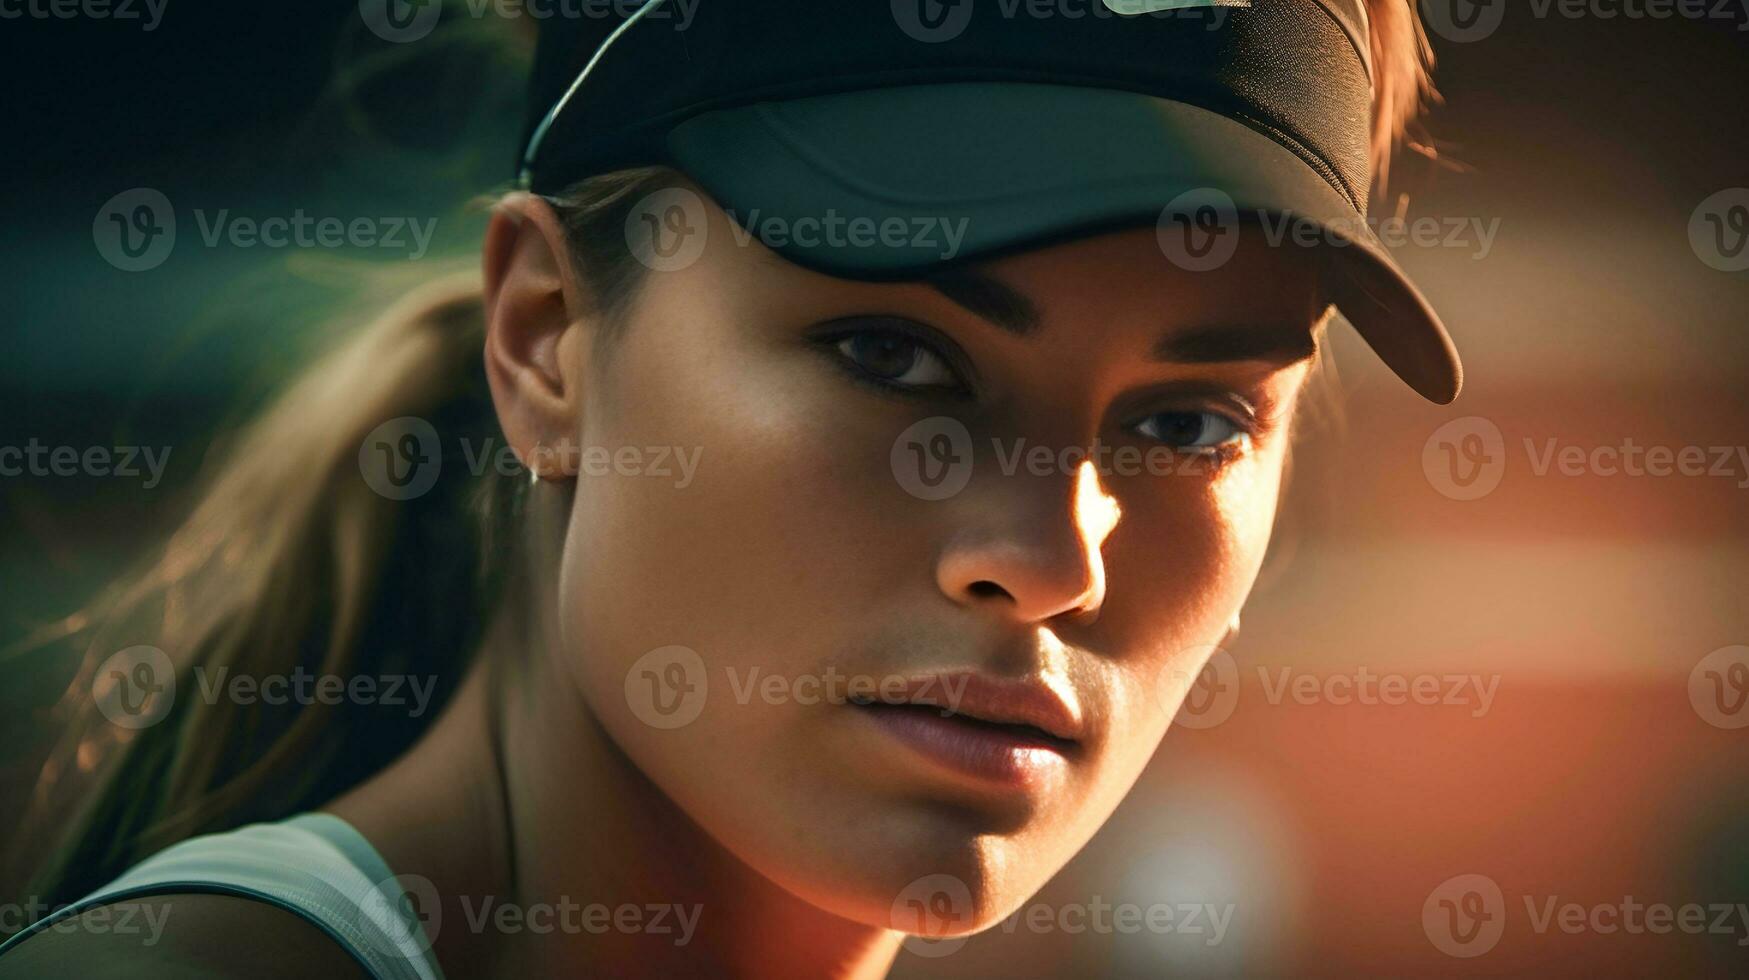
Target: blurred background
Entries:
(1495, 670)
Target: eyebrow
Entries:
(990, 298)
(1011, 311)
(1237, 342)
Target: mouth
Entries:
(1005, 735)
(1018, 732)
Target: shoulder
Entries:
(183, 935)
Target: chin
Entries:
(930, 884)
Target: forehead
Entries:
(1120, 279)
(1130, 269)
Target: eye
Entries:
(1194, 431)
(897, 359)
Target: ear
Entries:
(538, 319)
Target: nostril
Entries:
(984, 588)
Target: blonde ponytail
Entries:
(304, 556)
(1403, 66)
(290, 563)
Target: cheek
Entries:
(1245, 505)
(757, 562)
(1189, 546)
(775, 524)
(1180, 567)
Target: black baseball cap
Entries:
(1032, 121)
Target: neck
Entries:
(555, 854)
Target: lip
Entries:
(995, 730)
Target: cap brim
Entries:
(1012, 165)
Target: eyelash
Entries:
(1245, 426)
(884, 386)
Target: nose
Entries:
(1037, 555)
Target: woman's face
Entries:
(892, 501)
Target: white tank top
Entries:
(314, 864)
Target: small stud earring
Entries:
(533, 476)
